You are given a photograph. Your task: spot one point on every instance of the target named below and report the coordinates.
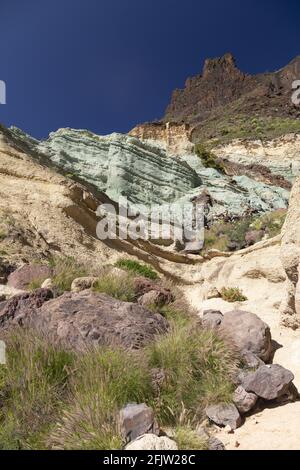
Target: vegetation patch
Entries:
(188, 439)
(233, 294)
(120, 286)
(137, 268)
(52, 398)
(197, 366)
(231, 124)
(66, 269)
(208, 159)
(236, 235)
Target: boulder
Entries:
(83, 283)
(153, 298)
(80, 318)
(268, 381)
(143, 285)
(253, 236)
(250, 360)
(215, 444)
(224, 415)
(18, 308)
(212, 319)
(244, 401)
(23, 276)
(47, 284)
(152, 442)
(136, 420)
(249, 333)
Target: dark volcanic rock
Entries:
(20, 307)
(79, 319)
(224, 415)
(244, 401)
(23, 276)
(249, 333)
(137, 420)
(268, 382)
(143, 285)
(215, 444)
(212, 318)
(222, 86)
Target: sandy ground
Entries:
(276, 427)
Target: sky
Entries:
(107, 65)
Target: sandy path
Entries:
(273, 428)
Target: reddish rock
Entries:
(22, 277)
(87, 318)
(18, 308)
(143, 286)
(137, 420)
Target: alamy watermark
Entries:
(2, 92)
(296, 94)
(2, 353)
(177, 222)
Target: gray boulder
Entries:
(244, 401)
(153, 298)
(268, 381)
(77, 319)
(152, 442)
(249, 333)
(215, 444)
(250, 360)
(212, 319)
(22, 277)
(224, 415)
(136, 420)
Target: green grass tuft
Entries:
(188, 439)
(137, 268)
(233, 294)
(66, 269)
(119, 286)
(208, 159)
(197, 365)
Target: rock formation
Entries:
(222, 84)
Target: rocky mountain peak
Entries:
(224, 90)
(224, 65)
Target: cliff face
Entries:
(222, 84)
(120, 165)
(174, 138)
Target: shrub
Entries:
(35, 284)
(66, 269)
(116, 285)
(233, 294)
(197, 365)
(33, 386)
(105, 381)
(188, 439)
(137, 268)
(208, 159)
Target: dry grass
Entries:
(66, 269)
(120, 286)
(188, 439)
(198, 367)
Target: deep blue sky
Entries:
(106, 65)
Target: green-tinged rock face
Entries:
(120, 165)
